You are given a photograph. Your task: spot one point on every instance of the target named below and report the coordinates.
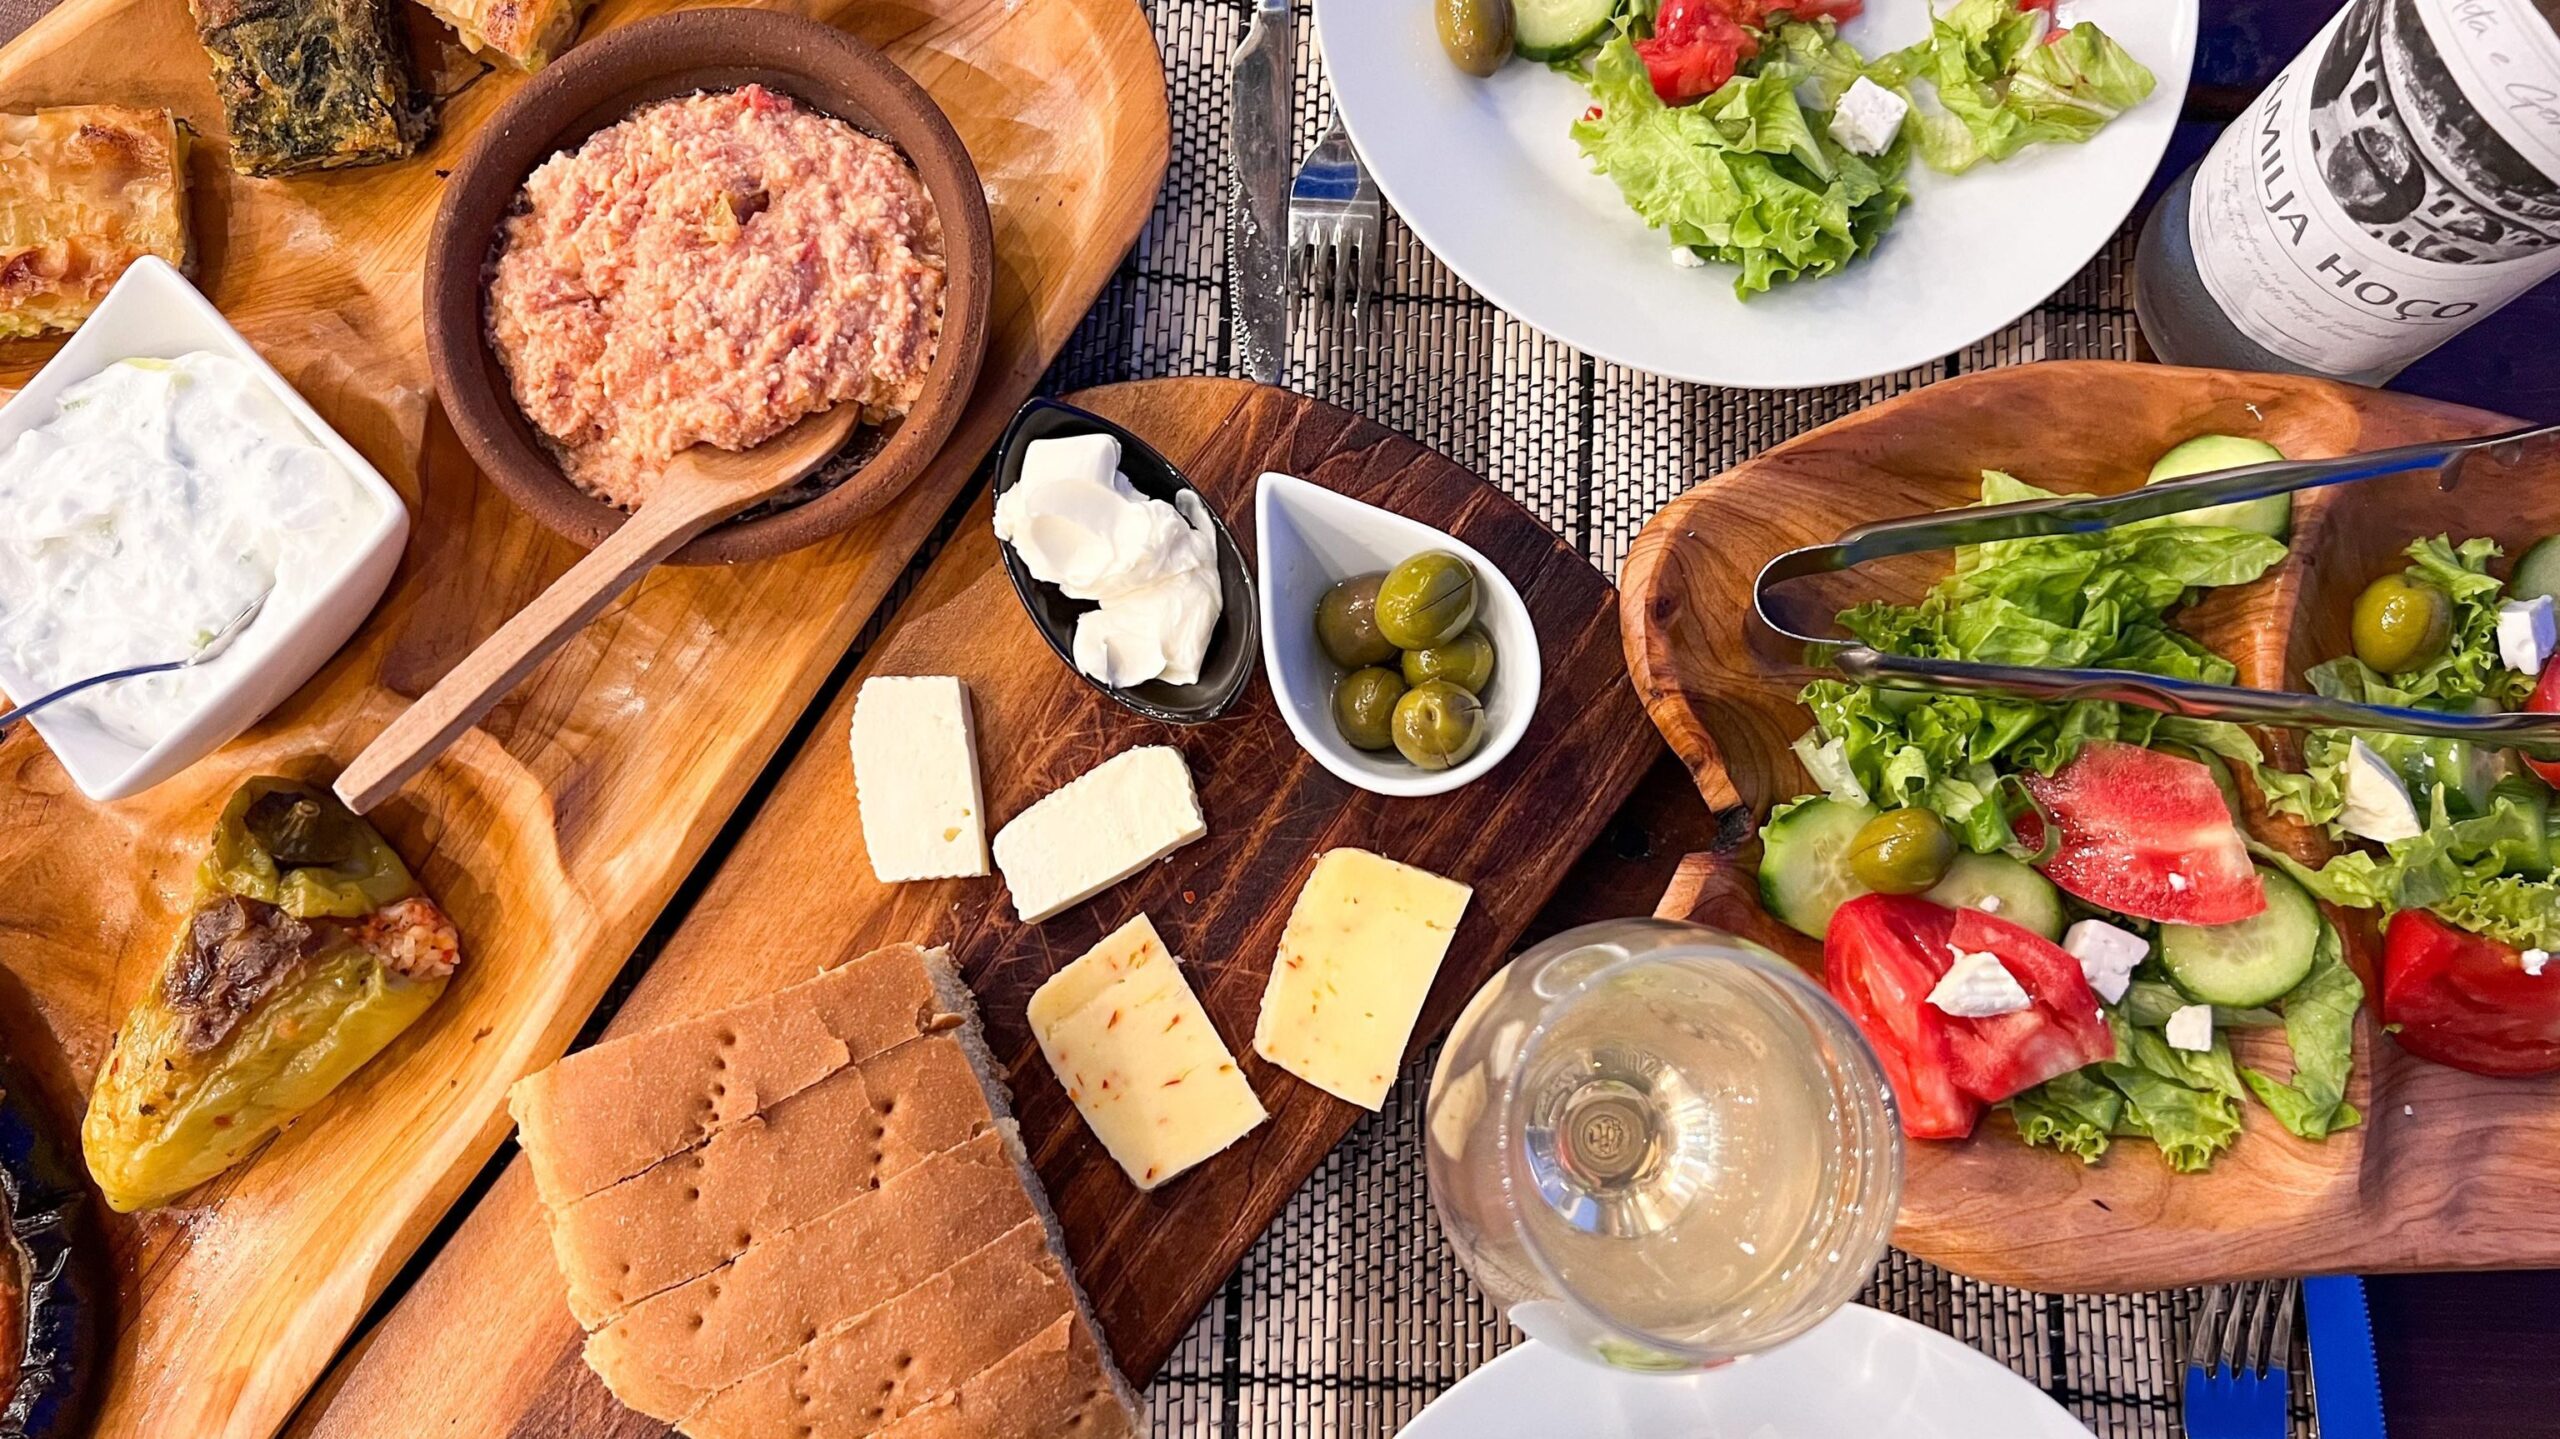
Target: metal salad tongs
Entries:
(2537, 735)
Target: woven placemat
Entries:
(1350, 1315)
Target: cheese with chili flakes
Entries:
(1355, 963)
(1128, 1039)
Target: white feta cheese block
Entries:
(2527, 633)
(1977, 987)
(2108, 955)
(1867, 117)
(2378, 806)
(2534, 960)
(915, 778)
(1098, 829)
(2190, 1027)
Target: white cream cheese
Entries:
(1152, 567)
(159, 500)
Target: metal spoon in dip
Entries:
(211, 649)
(698, 489)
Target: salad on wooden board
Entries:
(1754, 135)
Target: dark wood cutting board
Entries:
(483, 1344)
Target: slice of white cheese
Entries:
(1867, 117)
(2377, 804)
(915, 778)
(1098, 829)
(1135, 1051)
(2108, 955)
(1356, 962)
(1977, 986)
(2527, 633)
(2190, 1027)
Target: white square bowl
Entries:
(1311, 538)
(154, 313)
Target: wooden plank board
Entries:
(483, 1345)
(556, 832)
(2449, 1170)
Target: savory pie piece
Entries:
(310, 84)
(524, 33)
(85, 190)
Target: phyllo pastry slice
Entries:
(524, 33)
(85, 190)
(310, 84)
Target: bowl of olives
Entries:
(1400, 657)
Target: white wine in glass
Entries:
(1661, 1147)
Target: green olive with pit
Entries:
(2402, 623)
(1428, 599)
(1347, 623)
(1364, 707)
(1438, 725)
(1476, 34)
(1902, 851)
(1466, 662)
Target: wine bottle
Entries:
(2397, 182)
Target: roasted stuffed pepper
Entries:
(308, 951)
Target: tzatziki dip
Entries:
(162, 498)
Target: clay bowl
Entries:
(601, 82)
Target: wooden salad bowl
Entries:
(2448, 1170)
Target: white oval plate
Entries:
(1859, 1374)
(1488, 176)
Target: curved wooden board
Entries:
(2450, 1170)
(483, 1345)
(557, 831)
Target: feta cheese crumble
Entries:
(2527, 633)
(2534, 960)
(1867, 117)
(1977, 987)
(2378, 806)
(1988, 904)
(2191, 1027)
(2108, 955)
(1685, 258)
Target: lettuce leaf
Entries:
(2489, 873)
(2320, 1026)
(2073, 1113)
(1999, 88)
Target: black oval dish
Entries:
(1234, 647)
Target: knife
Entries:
(1258, 191)
(2346, 1386)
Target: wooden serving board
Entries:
(2449, 1170)
(483, 1345)
(557, 831)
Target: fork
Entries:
(1335, 226)
(2238, 1382)
(209, 649)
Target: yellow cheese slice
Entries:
(1136, 1052)
(1355, 963)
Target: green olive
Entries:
(2401, 623)
(1476, 33)
(1364, 706)
(1347, 623)
(1437, 725)
(1466, 662)
(1902, 851)
(1428, 600)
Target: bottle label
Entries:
(2398, 181)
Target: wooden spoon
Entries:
(698, 489)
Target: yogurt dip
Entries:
(161, 498)
(1152, 567)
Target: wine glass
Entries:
(1661, 1147)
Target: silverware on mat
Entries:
(1258, 191)
(210, 650)
(2238, 1383)
(1336, 226)
(2346, 1384)
(2535, 735)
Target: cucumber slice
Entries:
(2537, 571)
(2024, 897)
(2207, 453)
(1544, 30)
(1804, 863)
(2252, 961)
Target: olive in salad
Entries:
(308, 950)
(1415, 662)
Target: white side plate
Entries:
(1860, 1374)
(1488, 176)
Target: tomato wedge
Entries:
(2002, 1055)
(1696, 46)
(2464, 1000)
(2146, 834)
(2546, 700)
(1880, 958)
